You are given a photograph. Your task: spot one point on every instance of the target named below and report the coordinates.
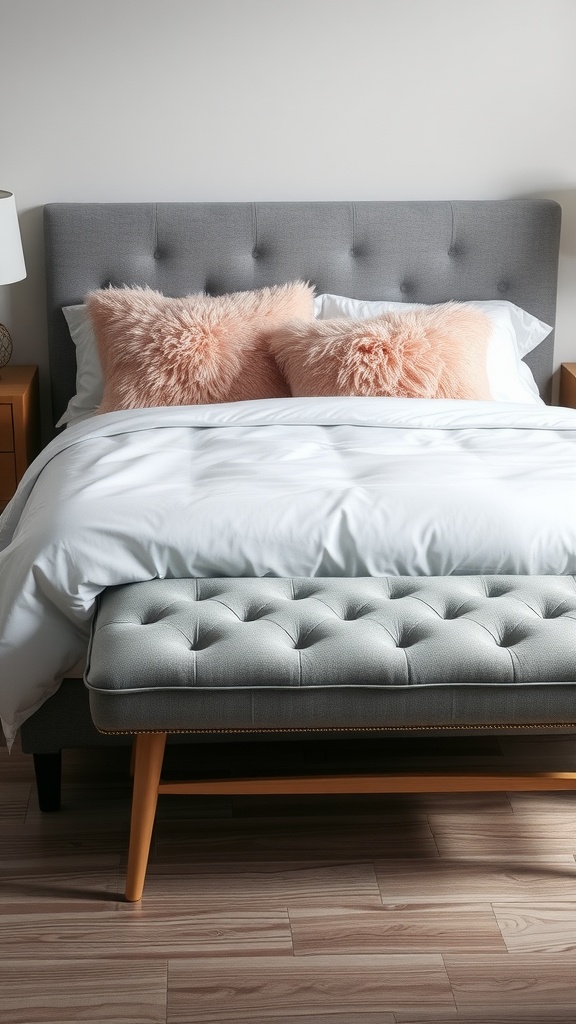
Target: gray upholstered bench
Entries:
(398, 654)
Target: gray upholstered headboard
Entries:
(416, 252)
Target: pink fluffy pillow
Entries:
(433, 352)
(194, 350)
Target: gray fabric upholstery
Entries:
(417, 252)
(334, 653)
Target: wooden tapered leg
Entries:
(147, 769)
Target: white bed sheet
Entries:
(286, 487)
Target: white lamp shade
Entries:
(12, 266)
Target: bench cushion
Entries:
(335, 653)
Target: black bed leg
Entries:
(48, 769)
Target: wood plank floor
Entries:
(292, 910)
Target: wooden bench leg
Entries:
(147, 770)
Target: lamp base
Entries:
(5, 345)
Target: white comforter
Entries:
(287, 487)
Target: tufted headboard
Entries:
(411, 251)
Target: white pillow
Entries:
(89, 378)
(515, 333)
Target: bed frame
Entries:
(407, 251)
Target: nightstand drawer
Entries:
(19, 434)
(6, 429)
(7, 476)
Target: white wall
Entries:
(283, 99)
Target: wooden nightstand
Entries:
(19, 425)
(568, 385)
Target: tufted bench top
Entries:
(334, 653)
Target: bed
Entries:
(401, 252)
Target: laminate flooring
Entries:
(292, 910)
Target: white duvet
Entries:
(286, 487)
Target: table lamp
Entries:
(12, 266)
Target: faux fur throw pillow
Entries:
(194, 350)
(433, 352)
